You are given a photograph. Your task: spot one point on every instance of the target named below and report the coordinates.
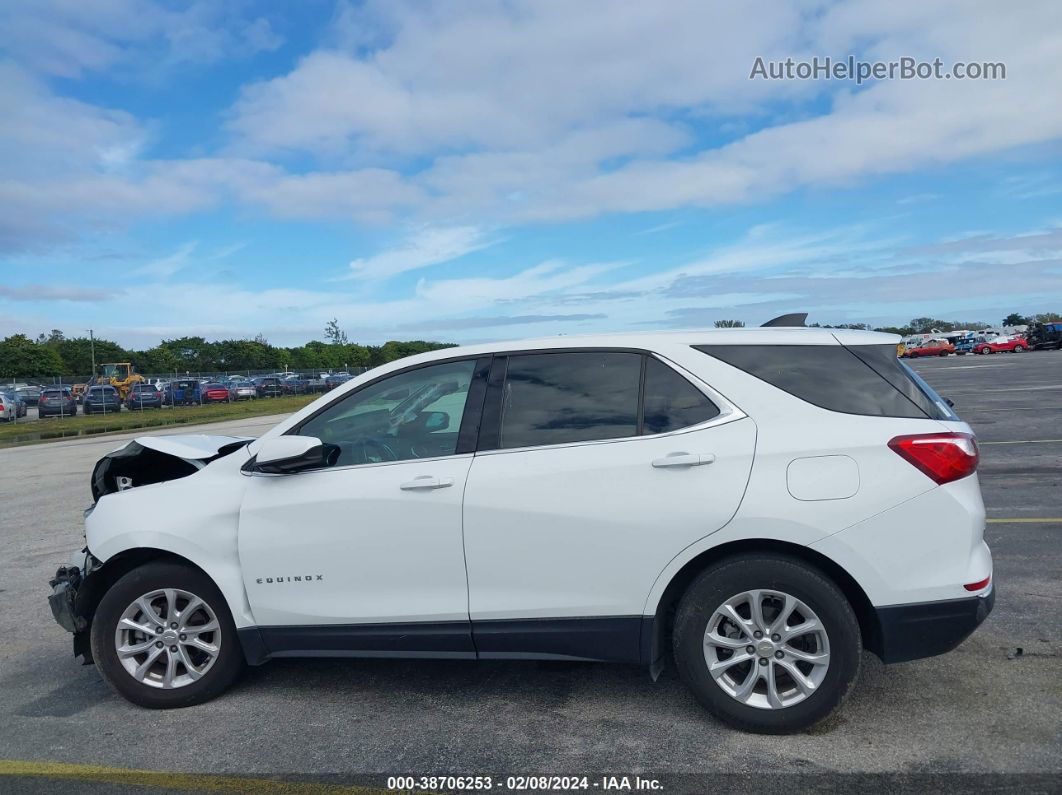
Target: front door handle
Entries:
(683, 460)
(426, 483)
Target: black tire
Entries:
(733, 576)
(140, 581)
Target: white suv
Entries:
(760, 505)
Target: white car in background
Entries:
(758, 505)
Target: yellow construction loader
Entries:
(120, 375)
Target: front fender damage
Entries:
(73, 599)
(156, 459)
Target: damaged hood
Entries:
(192, 446)
(156, 459)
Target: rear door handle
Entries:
(426, 483)
(683, 460)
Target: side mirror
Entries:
(284, 455)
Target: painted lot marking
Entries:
(154, 779)
(1025, 520)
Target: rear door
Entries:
(595, 469)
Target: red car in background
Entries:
(930, 348)
(1000, 344)
(215, 393)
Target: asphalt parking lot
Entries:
(995, 704)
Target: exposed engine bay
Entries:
(156, 459)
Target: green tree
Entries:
(924, 325)
(1046, 317)
(1014, 319)
(730, 324)
(21, 357)
(334, 333)
(394, 349)
(76, 353)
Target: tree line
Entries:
(56, 354)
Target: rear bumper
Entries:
(925, 629)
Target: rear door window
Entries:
(557, 398)
(672, 402)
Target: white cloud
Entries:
(426, 246)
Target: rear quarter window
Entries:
(863, 379)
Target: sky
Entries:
(494, 170)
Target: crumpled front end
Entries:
(157, 459)
(71, 598)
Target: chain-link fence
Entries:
(177, 388)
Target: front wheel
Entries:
(1019, 349)
(163, 637)
(767, 643)
(985, 351)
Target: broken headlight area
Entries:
(156, 459)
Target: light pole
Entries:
(92, 348)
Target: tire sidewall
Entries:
(136, 583)
(796, 578)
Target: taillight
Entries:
(944, 457)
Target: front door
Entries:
(366, 555)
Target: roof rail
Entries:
(793, 319)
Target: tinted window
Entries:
(864, 379)
(672, 402)
(416, 414)
(554, 398)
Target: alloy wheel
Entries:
(168, 638)
(766, 649)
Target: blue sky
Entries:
(477, 170)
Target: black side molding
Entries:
(607, 639)
(602, 639)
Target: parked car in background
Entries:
(29, 394)
(214, 392)
(938, 347)
(295, 385)
(12, 396)
(335, 379)
(243, 390)
(1013, 344)
(8, 407)
(101, 400)
(966, 345)
(144, 396)
(1044, 336)
(57, 402)
(268, 386)
(183, 392)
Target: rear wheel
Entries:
(1019, 349)
(163, 637)
(986, 351)
(767, 644)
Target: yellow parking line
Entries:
(1026, 520)
(156, 779)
